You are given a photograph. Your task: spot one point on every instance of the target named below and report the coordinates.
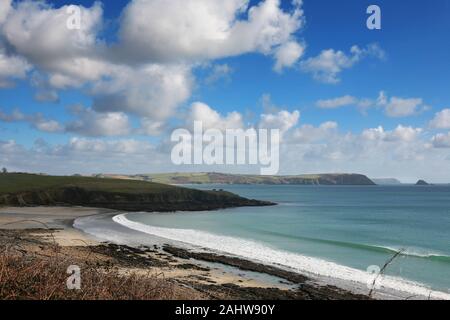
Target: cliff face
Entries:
(134, 196)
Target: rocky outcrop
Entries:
(422, 183)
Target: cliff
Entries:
(126, 195)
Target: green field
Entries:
(13, 183)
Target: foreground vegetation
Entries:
(34, 267)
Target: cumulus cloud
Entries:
(68, 58)
(38, 32)
(151, 29)
(441, 120)
(327, 66)
(282, 120)
(151, 127)
(311, 134)
(36, 120)
(5, 7)
(211, 119)
(81, 155)
(401, 133)
(441, 140)
(126, 146)
(91, 123)
(395, 107)
(400, 107)
(11, 67)
(153, 91)
(88, 122)
(287, 55)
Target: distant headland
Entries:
(223, 178)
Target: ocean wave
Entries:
(406, 251)
(261, 253)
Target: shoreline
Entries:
(321, 272)
(198, 269)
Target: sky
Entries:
(104, 96)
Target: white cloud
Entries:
(337, 102)
(126, 146)
(282, 120)
(36, 120)
(151, 127)
(401, 133)
(148, 71)
(88, 122)
(441, 120)
(151, 29)
(310, 134)
(394, 107)
(287, 55)
(152, 91)
(91, 123)
(11, 67)
(81, 155)
(16, 115)
(219, 72)
(5, 7)
(47, 125)
(211, 119)
(441, 140)
(327, 66)
(400, 107)
(38, 32)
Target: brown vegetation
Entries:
(30, 277)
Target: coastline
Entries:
(317, 271)
(188, 266)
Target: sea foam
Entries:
(258, 252)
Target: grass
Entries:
(15, 182)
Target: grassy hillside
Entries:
(13, 182)
(220, 178)
(128, 195)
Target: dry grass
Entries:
(26, 276)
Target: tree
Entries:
(4, 170)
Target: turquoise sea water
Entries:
(353, 226)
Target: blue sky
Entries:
(387, 98)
